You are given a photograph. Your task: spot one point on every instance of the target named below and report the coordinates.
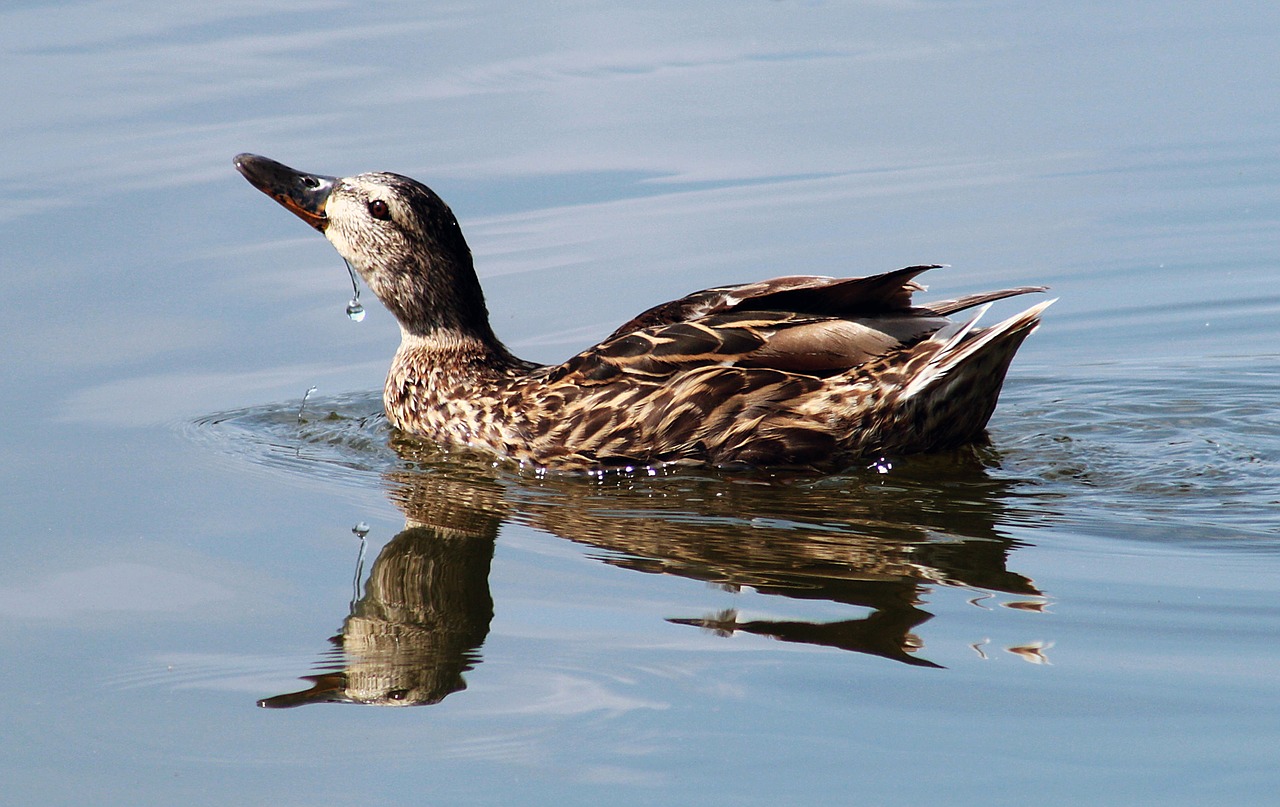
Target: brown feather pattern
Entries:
(793, 371)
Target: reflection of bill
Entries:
(853, 540)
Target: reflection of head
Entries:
(424, 614)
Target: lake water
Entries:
(1085, 611)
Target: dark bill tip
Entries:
(302, 194)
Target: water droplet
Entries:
(881, 465)
(354, 310)
(302, 407)
(360, 530)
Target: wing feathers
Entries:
(818, 326)
(794, 370)
(802, 294)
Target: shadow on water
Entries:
(865, 539)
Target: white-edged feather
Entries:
(960, 345)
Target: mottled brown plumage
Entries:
(794, 371)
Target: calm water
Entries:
(1085, 611)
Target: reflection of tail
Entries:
(956, 376)
(882, 633)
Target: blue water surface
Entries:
(1082, 612)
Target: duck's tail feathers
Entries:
(944, 308)
(963, 343)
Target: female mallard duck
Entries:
(795, 371)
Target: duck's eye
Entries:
(379, 210)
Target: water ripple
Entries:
(1180, 450)
(1126, 450)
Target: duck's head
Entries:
(396, 232)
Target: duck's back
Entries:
(713, 379)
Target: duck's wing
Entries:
(811, 326)
(807, 344)
(731, 387)
(800, 294)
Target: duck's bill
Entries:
(304, 195)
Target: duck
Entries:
(801, 371)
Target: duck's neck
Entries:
(450, 365)
(460, 354)
(448, 386)
(436, 297)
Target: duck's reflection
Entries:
(877, 543)
(426, 607)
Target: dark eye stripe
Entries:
(379, 210)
